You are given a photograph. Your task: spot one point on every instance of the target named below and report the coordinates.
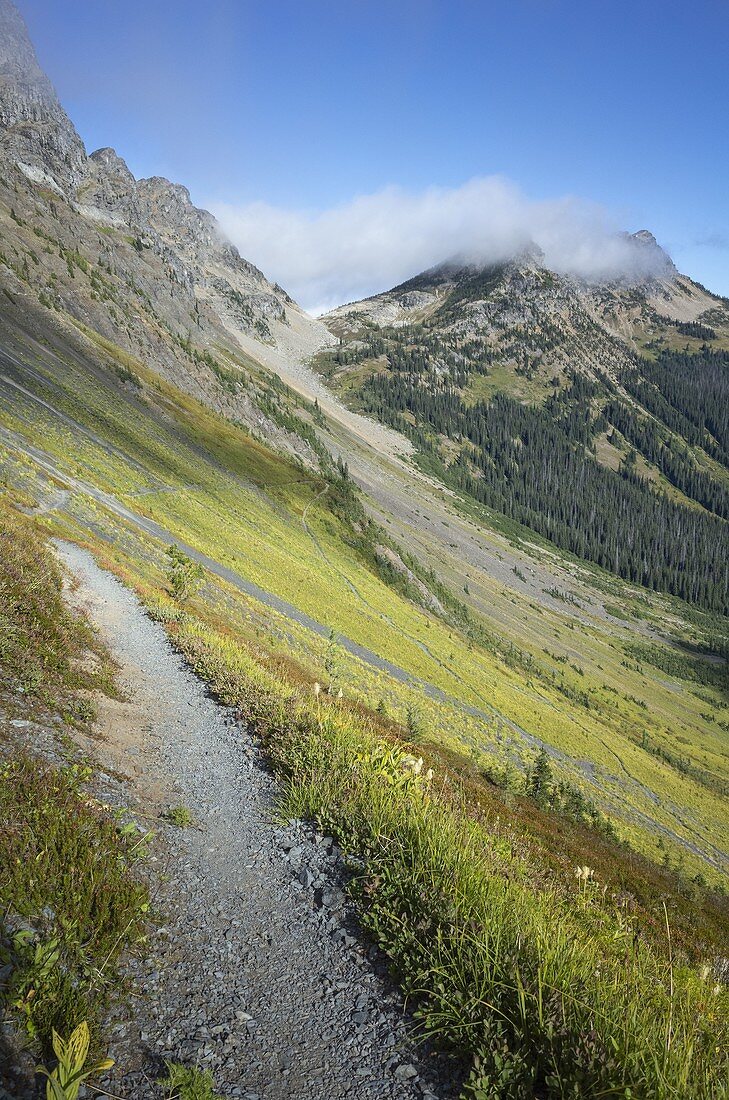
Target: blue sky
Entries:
(299, 108)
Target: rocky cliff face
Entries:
(35, 131)
(133, 260)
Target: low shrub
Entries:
(41, 640)
(188, 1083)
(70, 901)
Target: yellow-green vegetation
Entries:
(187, 1083)
(573, 985)
(65, 1080)
(179, 816)
(69, 901)
(546, 984)
(504, 379)
(491, 687)
(41, 642)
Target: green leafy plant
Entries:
(68, 875)
(179, 816)
(187, 1083)
(35, 962)
(65, 1080)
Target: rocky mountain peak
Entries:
(645, 235)
(110, 162)
(465, 266)
(170, 209)
(34, 128)
(653, 259)
(144, 266)
(39, 138)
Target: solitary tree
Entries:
(184, 575)
(539, 779)
(414, 723)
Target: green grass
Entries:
(68, 892)
(504, 379)
(543, 983)
(169, 458)
(69, 901)
(41, 642)
(187, 1083)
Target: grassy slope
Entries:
(542, 982)
(200, 468)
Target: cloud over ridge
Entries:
(376, 241)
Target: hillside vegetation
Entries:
(542, 981)
(70, 902)
(619, 459)
(150, 453)
(543, 974)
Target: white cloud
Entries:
(374, 242)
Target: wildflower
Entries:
(429, 775)
(317, 689)
(340, 694)
(418, 765)
(704, 972)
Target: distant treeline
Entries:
(534, 463)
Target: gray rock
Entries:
(406, 1072)
(305, 877)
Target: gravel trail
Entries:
(259, 972)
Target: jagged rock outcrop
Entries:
(35, 131)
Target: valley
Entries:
(311, 574)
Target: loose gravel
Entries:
(259, 971)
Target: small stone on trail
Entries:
(305, 877)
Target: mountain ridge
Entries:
(594, 413)
(134, 260)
